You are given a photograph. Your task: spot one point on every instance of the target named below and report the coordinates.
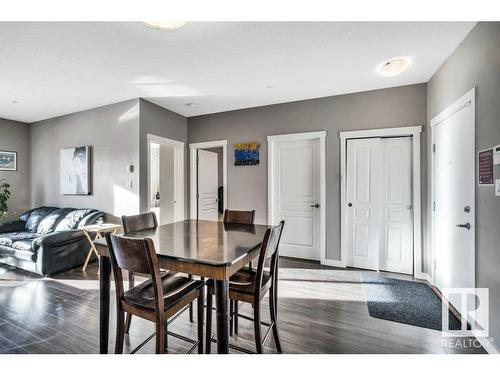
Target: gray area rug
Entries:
(405, 302)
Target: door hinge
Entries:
(435, 265)
(434, 206)
(434, 147)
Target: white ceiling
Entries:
(51, 69)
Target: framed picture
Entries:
(75, 170)
(8, 161)
(246, 154)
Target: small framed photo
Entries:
(8, 161)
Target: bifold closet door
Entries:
(379, 215)
(363, 202)
(396, 241)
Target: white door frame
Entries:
(179, 172)
(469, 99)
(272, 140)
(193, 148)
(414, 132)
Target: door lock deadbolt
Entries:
(467, 209)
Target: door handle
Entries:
(315, 205)
(466, 226)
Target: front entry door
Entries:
(296, 194)
(453, 201)
(207, 186)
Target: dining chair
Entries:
(237, 217)
(162, 297)
(138, 223)
(251, 285)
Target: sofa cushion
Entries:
(25, 216)
(91, 218)
(36, 216)
(7, 239)
(49, 223)
(72, 219)
(24, 251)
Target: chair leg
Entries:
(200, 306)
(208, 334)
(235, 318)
(160, 336)
(231, 315)
(120, 331)
(273, 308)
(128, 320)
(257, 328)
(166, 335)
(191, 317)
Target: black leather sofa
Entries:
(46, 240)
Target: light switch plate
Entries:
(497, 188)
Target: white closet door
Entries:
(363, 202)
(396, 233)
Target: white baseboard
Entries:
(333, 263)
(421, 276)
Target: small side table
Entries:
(99, 230)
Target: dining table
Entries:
(208, 249)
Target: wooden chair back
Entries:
(137, 223)
(239, 217)
(269, 249)
(137, 255)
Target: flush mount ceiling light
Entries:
(165, 25)
(393, 67)
(191, 105)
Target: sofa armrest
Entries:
(60, 238)
(12, 226)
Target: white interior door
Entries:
(363, 203)
(453, 201)
(396, 241)
(297, 190)
(207, 185)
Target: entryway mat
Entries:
(404, 301)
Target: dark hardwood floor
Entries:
(321, 310)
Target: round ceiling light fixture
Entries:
(191, 105)
(165, 25)
(393, 67)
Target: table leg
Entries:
(221, 300)
(104, 290)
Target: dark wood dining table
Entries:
(209, 249)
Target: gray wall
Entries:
(476, 62)
(247, 186)
(15, 136)
(113, 133)
(161, 122)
